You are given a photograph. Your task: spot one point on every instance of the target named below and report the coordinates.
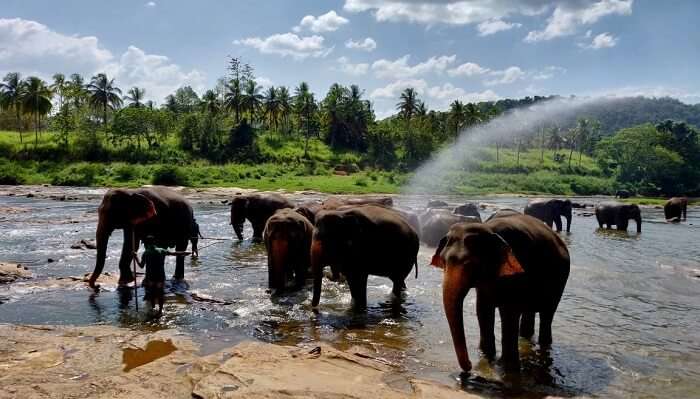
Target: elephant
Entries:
(336, 202)
(502, 213)
(676, 208)
(361, 241)
(613, 213)
(309, 210)
(157, 211)
(622, 194)
(287, 239)
(437, 204)
(550, 210)
(435, 223)
(257, 208)
(468, 209)
(517, 265)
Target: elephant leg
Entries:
(399, 286)
(545, 338)
(486, 314)
(125, 273)
(301, 265)
(509, 338)
(358, 290)
(180, 246)
(557, 222)
(527, 325)
(257, 231)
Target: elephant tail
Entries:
(415, 264)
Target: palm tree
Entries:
(36, 99)
(304, 106)
(11, 97)
(104, 94)
(210, 102)
(59, 87)
(135, 96)
(473, 115)
(408, 104)
(252, 99)
(457, 116)
(233, 98)
(271, 107)
(285, 105)
(76, 90)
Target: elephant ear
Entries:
(438, 260)
(510, 266)
(140, 209)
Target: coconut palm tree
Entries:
(271, 106)
(210, 102)
(408, 104)
(285, 106)
(233, 98)
(456, 116)
(36, 100)
(473, 115)
(104, 94)
(304, 107)
(11, 89)
(252, 99)
(135, 96)
(59, 86)
(76, 90)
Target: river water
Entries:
(628, 324)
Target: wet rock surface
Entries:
(10, 272)
(112, 362)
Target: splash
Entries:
(446, 168)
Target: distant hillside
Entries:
(625, 113)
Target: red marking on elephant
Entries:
(510, 265)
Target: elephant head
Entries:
(333, 239)
(119, 209)
(472, 255)
(629, 212)
(239, 212)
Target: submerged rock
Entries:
(10, 272)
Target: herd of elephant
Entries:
(515, 262)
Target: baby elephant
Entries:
(676, 209)
(613, 213)
(287, 238)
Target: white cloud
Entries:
(506, 76)
(548, 72)
(30, 47)
(392, 90)
(366, 45)
(288, 44)
(328, 22)
(448, 93)
(151, 4)
(468, 69)
(568, 16)
(492, 26)
(400, 69)
(264, 81)
(603, 40)
(352, 69)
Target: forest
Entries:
(78, 131)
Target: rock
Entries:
(30, 195)
(84, 244)
(50, 260)
(11, 272)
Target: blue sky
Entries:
(469, 50)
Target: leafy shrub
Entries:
(11, 174)
(126, 172)
(82, 175)
(169, 175)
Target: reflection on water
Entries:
(627, 326)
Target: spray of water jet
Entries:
(443, 172)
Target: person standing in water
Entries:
(153, 259)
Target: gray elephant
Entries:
(676, 209)
(550, 211)
(257, 208)
(158, 212)
(614, 213)
(468, 209)
(435, 223)
(622, 194)
(287, 238)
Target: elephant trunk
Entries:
(316, 270)
(454, 289)
(104, 231)
(638, 220)
(568, 223)
(238, 229)
(278, 258)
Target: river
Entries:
(628, 324)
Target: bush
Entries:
(168, 175)
(11, 174)
(82, 175)
(126, 172)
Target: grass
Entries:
(284, 167)
(655, 201)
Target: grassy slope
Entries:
(286, 170)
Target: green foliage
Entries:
(81, 174)
(11, 173)
(169, 175)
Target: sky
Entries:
(467, 50)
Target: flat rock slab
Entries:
(11, 272)
(112, 362)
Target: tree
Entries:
(104, 95)
(59, 87)
(271, 108)
(233, 99)
(210, 102)
(186, 99)
(135, 97)
(456, 117)
(36, 99)
(408, 104)
(252, 99)
(76, 90)
(285, 106)
(305, 107)
(11, 93)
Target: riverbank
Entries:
(111, 362)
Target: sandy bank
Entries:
(111, 362)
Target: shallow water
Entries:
(628, 325)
